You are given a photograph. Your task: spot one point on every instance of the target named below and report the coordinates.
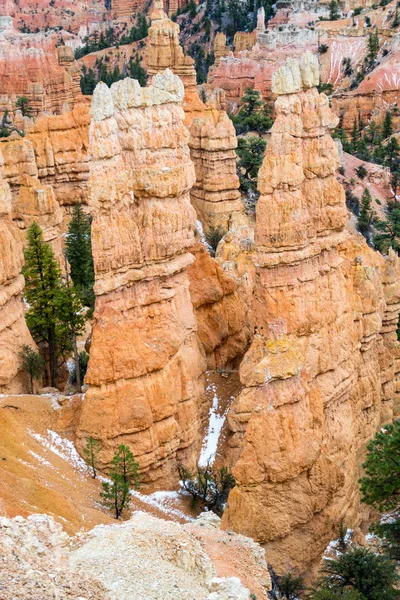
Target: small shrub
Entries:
(208, 487)
(33, 363)
(213, 237)
(361, 172)
(323, 48)
(83, 365)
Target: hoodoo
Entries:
(318, 377)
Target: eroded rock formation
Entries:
(145, 364)
(13, 330)
(320, 374)
(32, 65)
(215, 195)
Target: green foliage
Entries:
(357, 11)
(24, 106)
(208, 487)
(387, 129)
(88, 81)
(380, 486)
(359, 569)
(347, 68)
(250, 151)
(213, 237)
(334, 13)
(202, 62)
(373, 47)
(388, 230)
(345, 594)
(78, 250)
(342, 531)
(367, 215)
(137, 71)
(361, 172)
(83, 359)
(123, 475)
(352, 202)
(290, 586)
(323, 48)
(33, 363)
(54, 315)
(91, 453)
(254, 115)
(396, 19)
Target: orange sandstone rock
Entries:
(319, 374)
(145, 368)
(13, 330)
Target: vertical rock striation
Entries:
(319, 377)
(13, 330)
(145, 369)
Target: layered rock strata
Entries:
(215, 195)
(52, 157)
(321, 374)
(144, 375)
(32, 65)
(13, 330)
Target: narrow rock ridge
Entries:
(320, 375)
(145, 369)
(13, 330)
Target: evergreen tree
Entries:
(253, 115)
(42, 280)
(387, 129)
(91, 453)
(250, 152)
(333, 10)
(373, 46)
(137, 71)
(380, 486)
(33, 363)
(24, 106)
(355, 135)
(367, 214)
(396, 19)
(290, 586)
(78, 250)
(373, 576)
(363, 150)
(123, 475)
(71, 323)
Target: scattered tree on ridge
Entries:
(33, 363)
(91, 453)
(123, 475)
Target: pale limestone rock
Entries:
(296, 75)
(228, 589)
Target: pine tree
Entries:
(33, 363)
(123, 475)
(42, 280)
(387, 129)
(78, 250)
(373, 46)
(71, 323)
(366, 217)
(396, 19)
(333, 10)
(355, 135)
(91, 452)
(392, 154)
(24, 106)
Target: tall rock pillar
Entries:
(145, 368)
(317, 375)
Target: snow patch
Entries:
(163, 501)
(211, 438)
(64, 448)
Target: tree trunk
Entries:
(53, 356)
(76, 359)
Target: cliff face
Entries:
(319, 375)
(31, 65)
(52, 157)
(13, 330)
(145, 368)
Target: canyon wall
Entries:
(13, 330)
(33, 65)
(145, 368)
(48, 170)
(321, 375)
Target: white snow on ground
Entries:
(333, 548)
(162, 500)
(216, 422)
(199, 227)
(64, 448)
(40, 459)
